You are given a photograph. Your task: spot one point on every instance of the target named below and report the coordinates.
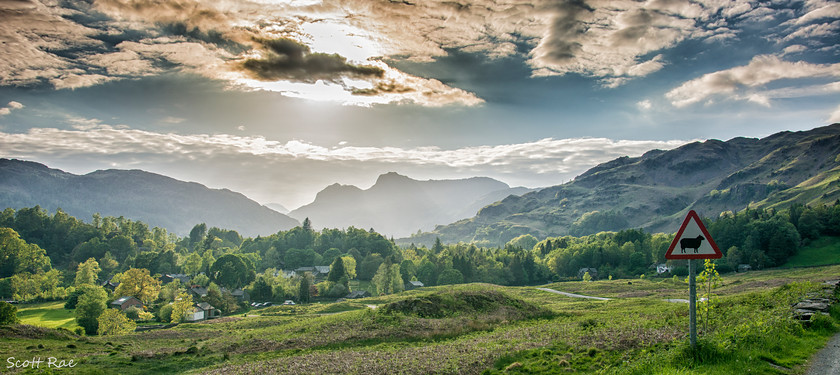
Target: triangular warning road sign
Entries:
(693, 241)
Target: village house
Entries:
(413, 285)
(358, 294)
(109, 285)
(201, 311)
(198, 292)
(170, 277)
(238, 293)
(123, 303)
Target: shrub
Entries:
(132, 313)
(165, 313)
(8, 314)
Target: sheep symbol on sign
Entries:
(691, 243)
(693, 235)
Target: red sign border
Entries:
(691, 214)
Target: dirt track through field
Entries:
(572, 294)
(567, 294)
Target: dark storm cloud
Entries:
(290, 60)
(562, 43)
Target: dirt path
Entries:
(567, 294)
(827, 360)
(572, 294)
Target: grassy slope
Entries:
(823, 251)
(48, 314)
(636, 332)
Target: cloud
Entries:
(644, 105)
(735, 82)
(287, 166)
(835, 116)
(90, 136)
(545, 156)
(11, 106)
(249, 43)
(287, 59)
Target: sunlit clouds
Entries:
(286, 45)
(747, 82)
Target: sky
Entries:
(279, 99)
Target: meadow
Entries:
(477, 329)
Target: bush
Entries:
(165, 313)
(132, 313)
(8, 314)
(680, 271)
(723, 267)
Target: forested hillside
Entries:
(154, 199)
(654, 191)
(42, 254)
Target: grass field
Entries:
(47, 314)
(823, 251)
(478, 329)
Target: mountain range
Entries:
(152, 198)
(656, 190)
(397, 205)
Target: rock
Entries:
(812, 305)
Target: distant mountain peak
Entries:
(392, 177)
(155, 199)
(399, 205)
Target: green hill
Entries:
(654, 191)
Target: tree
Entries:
(438, 246)
(201, 279)
(337, 271)
(407, 270)
(17, 256)
(192, 264)
(182, 305)
(330, 255)
(427, 273)
(295, 258)
(388, 279)
(232, 271)
(303, 290)
(136, 282)
(8, 314)
(369, 266)
(450, 276)
(587, 277)
(87, 272)
(708, 280)
(114, 322)
(198, 233)
(261, 290)
(525, 242)
(349, 266)
(207, 261)
(91, 304)
(165, 313)
(108, 264)
(170, 291)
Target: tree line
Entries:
(47, 256)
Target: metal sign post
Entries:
(693, 237)
(692, 304)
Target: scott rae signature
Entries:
(36, 362)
